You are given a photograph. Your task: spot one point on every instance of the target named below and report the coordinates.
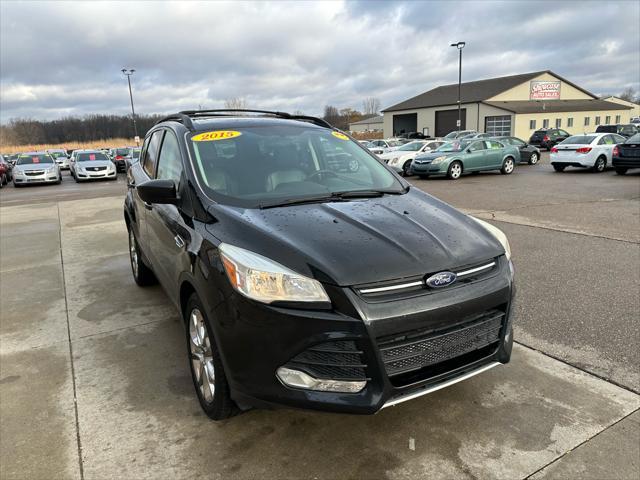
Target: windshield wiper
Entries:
(333, 197)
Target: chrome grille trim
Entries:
(475, 270)
(392, 287)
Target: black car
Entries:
(548, 137)
(304, 285)
(626, 130)
(627, 155)
(528, 153)
(121, 157)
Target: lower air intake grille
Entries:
(413, 353)
(339, 360)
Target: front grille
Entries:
(416, 350)
(33, 173)
(95, 169)
(337, 360)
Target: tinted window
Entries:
(634, 139)
(606, 128)
(90, 156)
(476, 146)
(151, 154)
(579, 139)
(170, 161)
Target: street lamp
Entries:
(128, 73)
(459, 46)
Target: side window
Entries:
(476, 146)
(605, 140)
(169, 160)
(151, 153)
(564, 134)
(495, 145)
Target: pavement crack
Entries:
(73, 371)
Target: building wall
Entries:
(365, 127)
(427, 118)
(523, 131)
(635, 112)
(522, 91)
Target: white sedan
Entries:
(590, 150)
(401, 158)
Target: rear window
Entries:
(634, 139)
(258, 165)
(607, 128)
(91, 156)
(123, 152)
(579, 139)
(34, 159)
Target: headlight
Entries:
(439, 159)
(266, 281)
(498, 234)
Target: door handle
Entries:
(179, 241)
(148, 206)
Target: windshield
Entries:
(136, 153)
(452, 147)
(579, 140)
(122, 152)
(411, 147)
(255, 165)
(58, 154)
(90, 156)
(451, 135)
(634, 139)
(30, 159)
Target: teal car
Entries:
(458, 157)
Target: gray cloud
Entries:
(60, 58)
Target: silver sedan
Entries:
(35, 167)
(92, 165)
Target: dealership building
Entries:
(515, 105)
(371, 124)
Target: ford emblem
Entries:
(441, 279)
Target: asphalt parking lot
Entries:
(94, 381)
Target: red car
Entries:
(5, 173)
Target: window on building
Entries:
(617, 118)
(498, 125)
(532, 124)
(607, 119)
(586, 121)
(569, 122)
(597, 122)
(558, 122)
(545, 123)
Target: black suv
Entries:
(626, 130)
(548, 137)
(305, 285)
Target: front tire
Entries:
(621, 170)
(455, 170)
(406, 168)
(142, 274)
(559, 168)
(600, 165)
(533, 159)
(207, 371)
(507, 166)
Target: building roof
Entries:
(540, 106)
(471, 92)
(366, 121)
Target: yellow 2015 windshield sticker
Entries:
(339, 135)
(215, 135)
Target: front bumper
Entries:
(429, 168)
(88, 175)
(626, 162)
(23, 179)
(257, 339)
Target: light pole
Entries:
(128, 73)
(459, 46)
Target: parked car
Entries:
(413, 136)
(626, 155)
(472, 136)
(528, 153)
(92, 165)
(365, 143)
(36, 167)
(548, 137)
(121, 157)
(455, 158)
(626, 130)
(278, 275)
(5, 173)
(593, 150)
(135, 157)
(12, 159)
(458, 134)
(635, 121)
(386, 145)
(400, 159)
(61, 158)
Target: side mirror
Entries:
(158, 191)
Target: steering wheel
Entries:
(321, 173)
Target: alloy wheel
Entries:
(508, 165)
(133, 253)
(533, 159)
(600, 164)
(456, 170)
(201, 356)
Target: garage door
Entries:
(498, 125)
(405, 123)
(446, 121)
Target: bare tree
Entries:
(235, 103)
(628, 94)
(371, 106)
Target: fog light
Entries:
(298, 379)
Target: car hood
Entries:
(359, 241)
(34, 166)
(433, 155)
(94, 163)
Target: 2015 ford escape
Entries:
(305, 284)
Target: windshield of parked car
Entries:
(122, 152)
(255, 165)
(411, 147)
(394, 143)
(91, 156)
(579, 139)
(452, 147)
(31, 158)
(634, 139)
(58, 154)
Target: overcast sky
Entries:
(61, 58)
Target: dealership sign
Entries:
(544, 91)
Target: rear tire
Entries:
(621, 170)
(533, 159)
(600, 165)
(507, 166)
(142, 274)
(455, 170)
(207, 371)
(559, 168)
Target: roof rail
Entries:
(185, 117)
